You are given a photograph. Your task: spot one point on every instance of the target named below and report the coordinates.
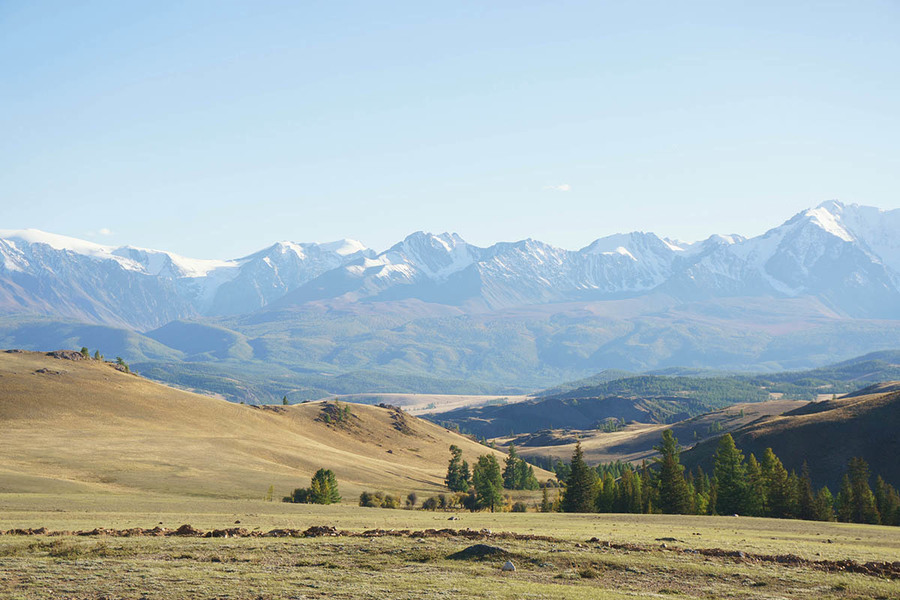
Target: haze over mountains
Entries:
(822, 286)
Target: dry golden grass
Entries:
(83, 426)
(410, 567)
(424, 404)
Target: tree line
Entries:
(761, 488)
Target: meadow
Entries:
(582, 556)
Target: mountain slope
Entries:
(80, 425)
(826, 435)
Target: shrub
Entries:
(430, 504)
(519, 507)
(299, 496)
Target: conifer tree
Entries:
(323, 488)
(545, 500)
(824, 505)
(510, 471)
(755, 504)
(647, 489)
(457, 471)
(579, 494)
(730, 476)
(780, 489)
(862, 498)
(605, 491)
(843, 504)
(806, 497)
(674, 496)
(488, 482)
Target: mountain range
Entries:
(821, 287)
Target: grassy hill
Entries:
(826, 435)
(83, 426)
(635, 442)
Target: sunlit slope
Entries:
(83, 425)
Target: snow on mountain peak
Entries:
(830, 222)
(344, 247)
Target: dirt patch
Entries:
(480, 552)
(887, 569)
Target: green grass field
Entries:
(412, 567)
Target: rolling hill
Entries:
(635, 442)
(665, 399)
(83, 425)
(826, 435)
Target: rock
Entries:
(453, 518)
(66, 355)
(508, 566)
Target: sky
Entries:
(214, 128)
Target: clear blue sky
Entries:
(212, 128)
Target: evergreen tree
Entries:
(85, 352)
(323, 488)
(605, 491)
(824, 505)
(674, 496)
(756, 490)
(488, 482)
(457, 471)
(887, 500)
(284, 401)
(97, 355)
(780, 490)
(862, 499)
(545, 500)
(730, 476)
(628, 493)
(843, 504)
(510, 471)
(806, 497)
(579, 494)
(648, 500)
(518, 474)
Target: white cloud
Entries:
(105, 231)
(562, 187)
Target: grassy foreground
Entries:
(418, 567)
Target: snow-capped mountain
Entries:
(846, 256)
(45, 273)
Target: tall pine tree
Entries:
(674, 495)
(579, 494)
(730, 477)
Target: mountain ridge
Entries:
(519, 316)
(843, 254)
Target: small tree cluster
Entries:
(518, 474)
(458, 475)
(378, 500)
(323, 489)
